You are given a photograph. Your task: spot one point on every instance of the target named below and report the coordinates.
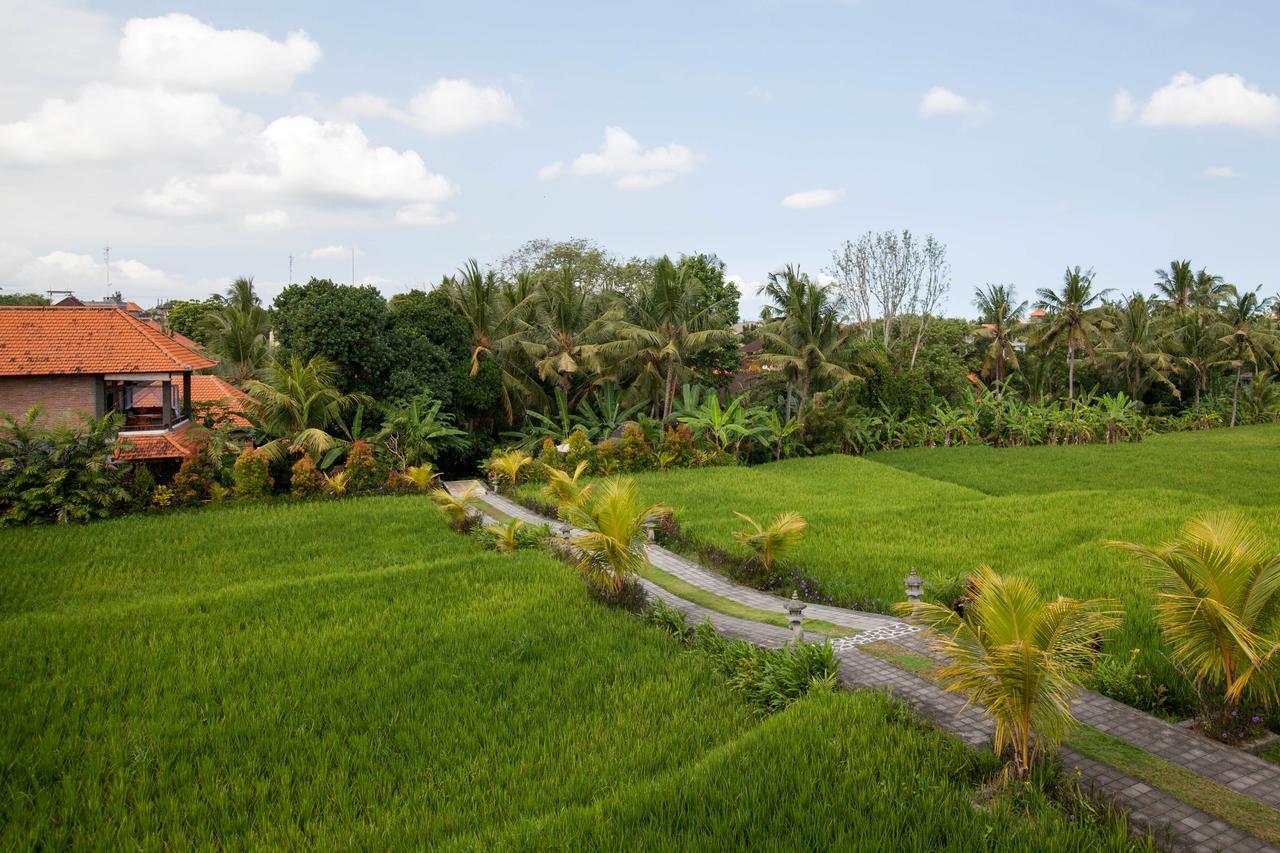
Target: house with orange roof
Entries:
(77, 360)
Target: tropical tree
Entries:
(1177, 285)
(1136, 346)
(670, 323)
(237, 332)
(416, 432)
(296, 404)
(724, 425)
(779, 433)
(562, 487)
(614, 524)
(1016, 656)
(774, 541)
(805, 340)
(1217, 593)
(507, 468)
(459, 510)
(1249, 340)
(1071, 318)
(570, 327)
(1193, 345)
(1001, 318)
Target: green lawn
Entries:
(352, 675)
(1042, 512)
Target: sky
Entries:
(205, 141)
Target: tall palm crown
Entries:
(806, 339)
(1249, 340)
(1136, 344)
(1071, 317)
(1001, 318)
(296, 404)
(1192, 344)
(666, 327)
(572, 322)
(239, 332)
(1177, 285)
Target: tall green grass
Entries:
(351, 674)
(1042, 512)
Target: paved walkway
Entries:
(1169, 819)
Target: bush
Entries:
(195, 479)
(1121, 680)
(362, 471)
(251, 474)
(580, 450)
(634, 453)
(677, 448)
(141, 484)
(59, 474)
(305, 481)
(162, 497)
(631, 597)
(771, 679)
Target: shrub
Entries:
(608, 458)
(218, 493)
(141, 484)
(305, 481)
(549, 456)
(362, 471)
(580, 450)
(459, 511)
(162, 497)
(251, 474)
(668, 618)
(420, 477)
(677, 448)
(195, 479)
(513, 535)
(58, 473)
(508, 468)
(630, 596)
(634, 453)
(1121, 680)
(771, 679)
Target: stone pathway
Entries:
(1171, 821)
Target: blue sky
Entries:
(1000, 127)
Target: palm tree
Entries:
(570, 329)
(1016, 655)
(508, 467)
(563, 487)
(459, 510)
(1248, 339)
(296, 404)
(1192, 343)
(1001, 317)
(1177, 285)
(614, 525)
(668, 327)
(774, 541)
(806, 338)
(416, 432)
(1135, 345)
(1218, 588)
(1209, 290)
(238, 332)
(1071, 317)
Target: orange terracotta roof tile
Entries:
(71, 340)
(212, 389)
(157, 445)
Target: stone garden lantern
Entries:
(915, 587)
(795, 607)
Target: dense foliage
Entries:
(59, 472)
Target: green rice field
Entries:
(351, 675)
(1041, 512)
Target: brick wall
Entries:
(63, 397)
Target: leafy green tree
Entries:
(59, 473)
(1071, 318)
(237, 332)
(1193, 345)
(1001, 317)
(187, 317)
(572, 323)
(416, 432)
(1135, 344)
(1249, 340)
(296, 404)
(1017, 657)
(349, 327)
(34, 299)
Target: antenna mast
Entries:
(291, 269)
(353, 266)
(106, 260)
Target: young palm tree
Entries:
(804, 342)
(1015, 655)
(774, 541)
(1135, 345)
(615, 525)
(563, 488)
(1001, 318)
(1070, 318)
(508, 468)
(296, 404)
(459, 509)
(1248, 341)
(668, 327)
(238, 332)
(1218, 589)
(505, 536)
(416, 432)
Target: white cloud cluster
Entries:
(183, 52)
(82, 273)
(940, 101)
(1187, 101)
(623, 158)
(329, 253)
(1219, 172)
(809, 199)
(447, 106)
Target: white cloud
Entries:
(760, 93)
(812, 198)
(940, 101)
(267, 220)
(84, 274)
(1220, 172)
(328, 253)
(321, 164)
(448, 106)
(634, 168)
(45, 48)
(182, 52)
(1122, 106)
(111, 123)
(1222, 99)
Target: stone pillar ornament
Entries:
(915, 587)
(795, 607)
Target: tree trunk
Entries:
(1235, 394)
(804, 398)
(1071, 372)
(669, 391)
(1197, 384)
(788, 401)
(924, 319)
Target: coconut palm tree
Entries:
(1177, 285)
(507, 468)
(1070, 319)
(774, 541)
(563, 487)
(1016, 655)
(1218, 590)
(295, 404)
(805, 341)
(614, 524)
(459, 510)
(1248, 340)
(1001, 318)
(667, 327)
(416, 432)
(1192, 344)
(1136, 346)
(238, 332)
(571, 324)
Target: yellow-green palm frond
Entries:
(614, 524)
(508, 467)
(563, 487)
(774, 541)
(456, 508)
